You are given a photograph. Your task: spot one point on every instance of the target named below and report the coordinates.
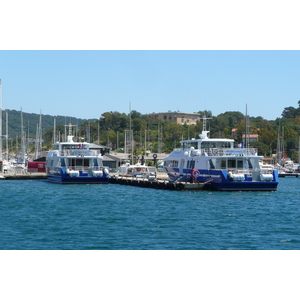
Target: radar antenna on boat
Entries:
(70, 136)
(204, 131)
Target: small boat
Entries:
(216, 162)
(137, 170)
(73, 162)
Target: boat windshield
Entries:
(219, 145)
(188, 145)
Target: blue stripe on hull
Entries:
(248, 186)
(77, 180)
(218, 180)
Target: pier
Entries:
(22, 176)
(288, 174)
(158, 183)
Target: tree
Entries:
(289, 112)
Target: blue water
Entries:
(40, 215)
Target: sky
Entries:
(77, 60)
(87, 83)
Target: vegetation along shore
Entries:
(112, 128)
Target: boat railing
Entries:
(80, 152)
(85, 168)
(221, 151)
(229, 152)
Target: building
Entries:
(253, 137)
(175, 117)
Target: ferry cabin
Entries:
(75, 156)
(213, 154)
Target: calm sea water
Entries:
(40, 215)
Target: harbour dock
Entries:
(161, 182)
(22, 176)
(158, 183)
(288, 174)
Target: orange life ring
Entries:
(139, 169)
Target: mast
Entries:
(54, 130)
(40, 135)
(130, 134)
(6, 135)
(204, 131)
(0, 120)
(38, 140)
(22, 139)
(247, 139)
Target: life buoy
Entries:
(139, 169)
(195, 173)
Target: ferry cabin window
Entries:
(189, 145)
(190, 164)
(232, 164)
(171, 163)
(215, 145)
(78, 162)
(240, 164)
(75, 146)
(223, 164)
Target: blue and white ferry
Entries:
(217, 162)
(73, 162)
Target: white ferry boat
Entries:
(137, 170)
(217, 162)
(73, 162)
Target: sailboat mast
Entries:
(247, 140)
(22, 139)
(0, 120)
(54, 130)
(6, 136)
(130, 133)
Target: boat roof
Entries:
(207, 139)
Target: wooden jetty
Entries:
(288, 174)
(158, 184)
(23, 176)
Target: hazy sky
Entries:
(83, 59)
(85, 84)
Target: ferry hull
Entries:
(77, 180)
(62, 177)
(218, 180)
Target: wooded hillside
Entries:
(112, 129)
